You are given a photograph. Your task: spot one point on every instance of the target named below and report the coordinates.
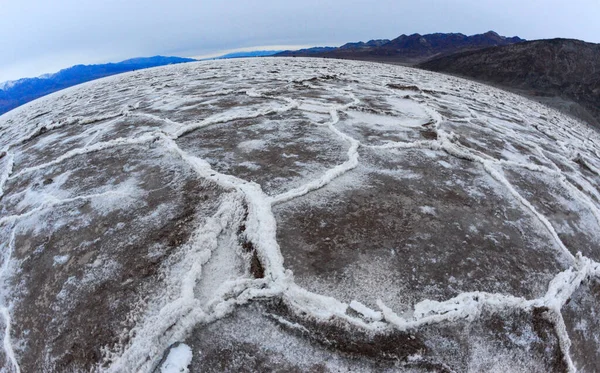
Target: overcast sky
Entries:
(42, 36)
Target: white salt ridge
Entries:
(427, 210)
(172, 321)
(6, 341)
(5, 303)
(60, 259)
(178, 360)
(48, 203)
(366, 311)
(252, 145)
(333, 173)
(288, 323)
(146, 138)
(261, 226)
(157, 118)
(238, 113)
(8, 168)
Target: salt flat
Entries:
(297, 214)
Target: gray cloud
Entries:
(39, 36)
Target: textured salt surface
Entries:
(300, 215)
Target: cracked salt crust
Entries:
(438, 118)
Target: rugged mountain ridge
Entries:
(408, 49)
(362, 45)
(19, 92)
(563, 73)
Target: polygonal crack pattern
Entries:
(297, 215)
(413, 225)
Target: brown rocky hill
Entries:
(563, 73)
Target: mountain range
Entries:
(408, 49)
(261, 53)
(19, 92)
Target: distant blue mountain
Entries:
(309, 52)
(19, 92)
(248, 54)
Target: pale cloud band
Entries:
(38, 36)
